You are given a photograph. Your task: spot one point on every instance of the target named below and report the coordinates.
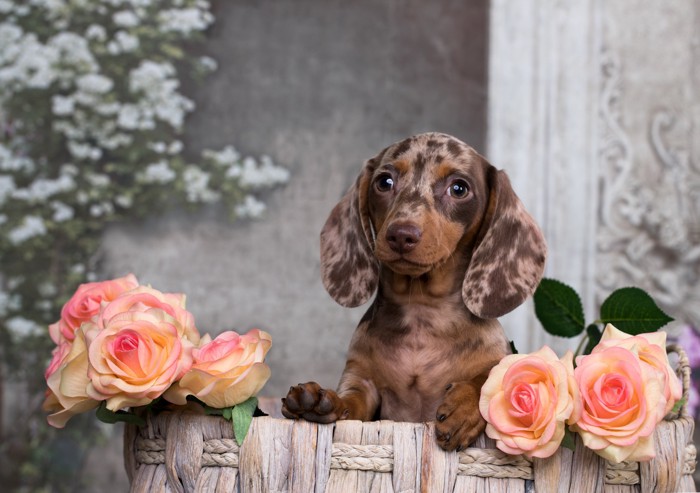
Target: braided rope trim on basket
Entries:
(218, 452)
(627, 473)
(377, 458)
(485, 463)
(491, 463)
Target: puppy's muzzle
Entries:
(403, 237)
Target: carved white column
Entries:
(543, 92)
(594, 110)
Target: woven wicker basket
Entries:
(183, 452)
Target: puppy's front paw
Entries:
(458, 420)
(313, 403)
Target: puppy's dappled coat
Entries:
(442, 238)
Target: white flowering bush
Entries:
(91, 116)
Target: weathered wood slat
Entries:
(324, 448)
(438, 469)
(621, 488)
(377, 481)
(465, 483)
(587, 470)
(265, 456)
(187, 451)
(341, 481)
(207, 479)
(553, 474)
(160, 481)
(303, 460)
(408, 443)
(510, 485)
(662, 474)
(143, 478)
(229, 479)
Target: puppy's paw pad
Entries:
(313, 403)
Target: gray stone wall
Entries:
(320, 87)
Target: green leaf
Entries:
(558, 308)
(594, 335)
(242, 416)
(111, 417)
(212, 411)
(512, 348)
(677, 407)
(633, 311)
(569, 440)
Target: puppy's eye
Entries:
(384, 182)
(458, 189)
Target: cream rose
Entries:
(226, 371)
(86, 303)
(67, 381)
(622, 400)
(527, 400)
(651, 350)
(135, 356)
(144, 297)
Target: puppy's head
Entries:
(423, 201)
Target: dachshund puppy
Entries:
(442, 238)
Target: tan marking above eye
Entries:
(401, 166)
(444, 170)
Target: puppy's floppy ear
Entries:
(349, 269)
(508, 259)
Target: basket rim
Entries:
(157, 444)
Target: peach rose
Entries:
(651, 349)
(226, 371)
(136, 355)
(622, 403)
(86, 302)
(143, 298)
(526, 401)
(67, 380)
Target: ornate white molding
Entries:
(597, 124)
(649, 218)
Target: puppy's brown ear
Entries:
(349, 269)
(508, 259)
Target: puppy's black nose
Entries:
(402, 237)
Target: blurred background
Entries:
(201, 145)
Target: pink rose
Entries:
(142, 299)
(136, 354)
(526, 401)
(58, 356)
(623, 401)
(226, 371)
(651, 349)
(67, 381)
(86, 303)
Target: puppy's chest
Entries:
(420, 342)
